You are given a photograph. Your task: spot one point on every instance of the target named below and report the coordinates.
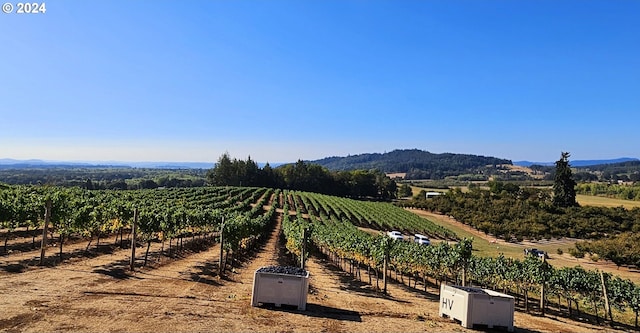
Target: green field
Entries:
(590, 200)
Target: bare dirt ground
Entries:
(99, 294)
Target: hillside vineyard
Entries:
(349, 232)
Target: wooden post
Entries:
(464, 276)
(61, 240)
(304, 246)
(606, 298)
(384, 270)
(47, 218)
(133, 240)
(221, 260)
(544, 259)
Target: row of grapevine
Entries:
(293, 228)
(376, 215)
(334, 233)
(162, 213)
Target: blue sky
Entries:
(287, 80)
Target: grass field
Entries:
(589, 200)
(415, 190)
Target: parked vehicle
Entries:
(421, 239)
(535, 252)
(397, 235)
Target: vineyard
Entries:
(169, 220)
(160, 215)
(335, 234)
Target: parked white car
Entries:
(535, 252)
(421, 239)
(395, 235)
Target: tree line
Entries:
(302, 176)
(519, 213)
(621, 249)
(625, 192)
(104, 177)
(512, 213)
(625, 171)
(417, 164)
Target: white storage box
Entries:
(476, 306)
(281, 285)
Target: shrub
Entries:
(576, 253)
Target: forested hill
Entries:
(416, 163)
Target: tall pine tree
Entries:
(564, 187)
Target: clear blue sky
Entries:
(283, 80)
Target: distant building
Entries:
(433, 194)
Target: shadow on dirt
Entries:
(52, 258)
(321, 311)
(206, 274)
(117, 270)
(117, 273)
(318, 311)
(13, 268)
(350, 283)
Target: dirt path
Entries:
(563, 242)
(186, 295)
(563, 260)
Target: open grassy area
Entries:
(415, 189)
(590, 200)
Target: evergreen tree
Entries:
(223, 172)
(404, 191)
(564, 192)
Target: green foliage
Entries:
(162, 214)
(227, 172)
(622, 249)
(577, 252)
(417, 164)
(101, 178)
(304, 177)
(173, 213)
(624, 192)
(626, 171)
(528, 213)
(564, 193)
(293, 229)
(404, 191)
(375, 215)
(444, 261)
(497, 187)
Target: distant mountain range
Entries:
(7, 163)
(579, 163)
(400, 161)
